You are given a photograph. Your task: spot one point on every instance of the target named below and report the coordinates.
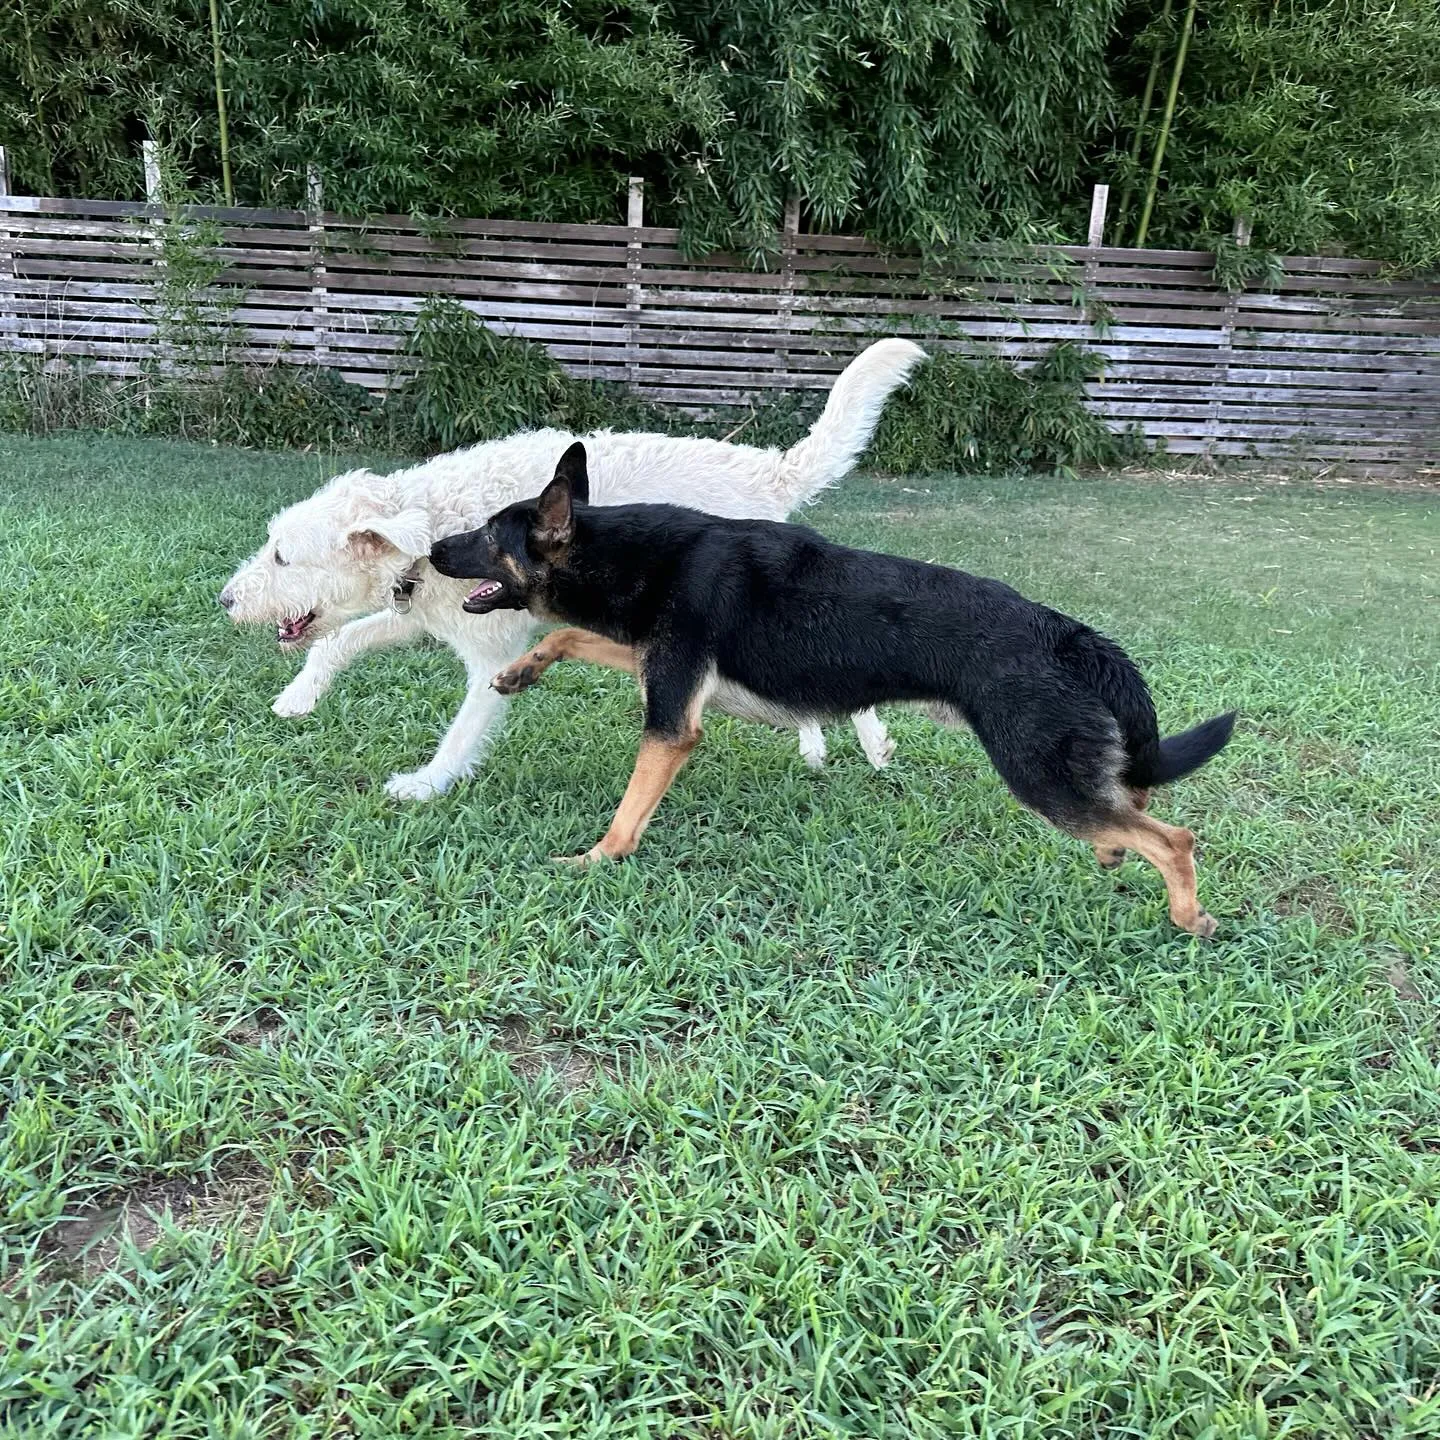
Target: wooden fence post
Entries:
(1098, 203)
(9, 308)
(155, 196)
(150, 157)
(1241, 233)
(1094, 239)
(789, 244)
(319, 289)
(634, 293)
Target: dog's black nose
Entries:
(226, 599)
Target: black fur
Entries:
(819, 629)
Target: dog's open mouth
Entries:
(485, 596)
(293, 629)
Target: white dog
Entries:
(345, 571)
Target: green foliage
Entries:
(525, 109)
(1320, 119)
(471, 384)
(985, 414)
(923, 122)
(78, 79)
(192, 316)
(1244, 267)
(920, 122)
(267, 407)
(467, 384)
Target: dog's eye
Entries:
(279, 561)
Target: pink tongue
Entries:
(482, 591)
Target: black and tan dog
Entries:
(772, 622)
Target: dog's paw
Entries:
(514, 678)
(419, 786)
(879, 752)
(874, 738)
(294, 700)
(519, 675)
(594, 856)
(1205, 925)
(812, 748)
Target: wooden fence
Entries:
(1335, 362)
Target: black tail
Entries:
(1182, 753)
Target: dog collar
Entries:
(402, 596)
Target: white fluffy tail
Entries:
(848, 422)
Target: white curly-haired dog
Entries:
(345, 571)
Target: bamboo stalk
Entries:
(1165, 121)
(1122, 212)
(220, 103)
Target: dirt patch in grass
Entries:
(265, 1023)
(90, 1242)
(1317, 899)
(533, 1058)
(1397, 975)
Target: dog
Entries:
(343, 572)
(773, 622)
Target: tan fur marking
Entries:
(566, 644)
(656, 765)
(1170, 849)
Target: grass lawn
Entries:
(855, 1105)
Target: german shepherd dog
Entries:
(772, 622)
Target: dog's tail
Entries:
(1112, 675)
(848, 421)
(1180, 754)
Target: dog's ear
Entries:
(555, 512)
(407, 533)
(574, 469)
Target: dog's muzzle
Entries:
(488, 595)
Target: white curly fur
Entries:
(339, 554)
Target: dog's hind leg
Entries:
(1113, 856)
(1072, 774)
(332, 654)
(874, 739)
(812, 746)
(1171, 850)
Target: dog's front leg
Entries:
(657, 764)
(458, 749)
(675, 694)
(332, 654)
(566, 644)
